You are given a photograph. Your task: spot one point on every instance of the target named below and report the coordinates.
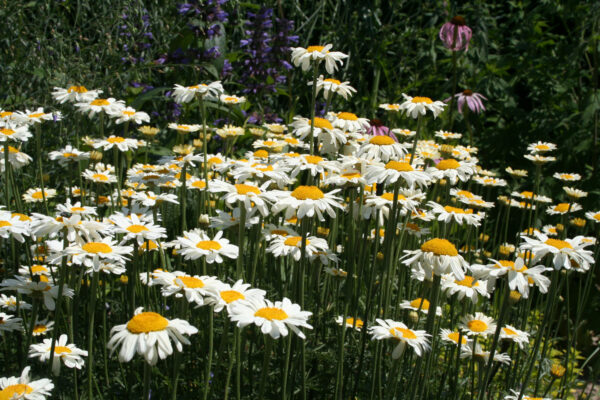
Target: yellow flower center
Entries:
(559, 244)
(307, 193)
(351, 175)
(61, 350)
(245, 189)
(4, 223)
(115, 139)
(542, 147)
(562, 207)
(37, 195)
(347, 116)
(15, 391)
(477, 325)
(454, 337)
(351, 321)
(100, 102)
(456, 210)
(77, 89)
(413, 226)
(420, 99)
(77, 209)
(97, 247)
(311, 49)
(39, 329)
(449, 163)
(271, 313)
(509, 331)
(190, 282)
(295, 241)
(423, 304)
(6, 131)
(468, 282)
(100, 177)
(229, 296)
(199, 184)
(231, 99)
(465, 193)
(322, 123)
(381, 140)
(440, 247)
(35, 115)
(208, 245)
(136, 228)
(402, 333)
(399, 166)
(390, 196)
(38, 269)
(313, 159)
(22, 217)
(331, 80)
(147, 322)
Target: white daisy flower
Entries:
(273, 319)
(129, 114)
(185, 94)
(446, 135)
(436, 256)
(541, 147)
(348, 121)
(224, 220)
(539, 159)
(123, 144)
(43, 288)
(563, 208)
(452, 337)
(477, 324)
(516, 396)
(195, 244)
(509, 332)
(419, 304)
(390, 107)
(68, 154)
(330, 85)
(105, 249)
(567, 177)
(16, 158)
(14, 133)
(34, 195)
(74, 94)
(231, 99)
(150, 335)
(470, 287)
(528, 195)
(393, 171)
(135, 229)
(10, 303)
(382, 148)
(565, 253)
(24, 388)
(13, 225)
(593, 216)
(184, 128)
(281, 246)
(108, 106)
(480, 355)
(196, 289)
(9, 323)
(452, 170)
(460, 215)
(574, 193)
(304, 58)
(390, 329)
(350, 322)
(151, 199)
(68, 354)
(306, 201)
(42, 327)
(76, 208)
(517, 173)
(251, 196)
(225, 295)
(415, 106)
(34, 116)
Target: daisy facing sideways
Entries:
(274, 319)
(389, 329)
(150, 335)
(69, 354)
(24, 388)
(567, 253)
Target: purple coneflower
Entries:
(472, 99)
(377, 128)
(455, 34)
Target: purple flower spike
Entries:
(473, 100)
(455, 34)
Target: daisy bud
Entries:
(413, 316)
(203, 219)
(95, 155)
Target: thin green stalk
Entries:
(210, 352)
(90, 347)
(265, 366)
